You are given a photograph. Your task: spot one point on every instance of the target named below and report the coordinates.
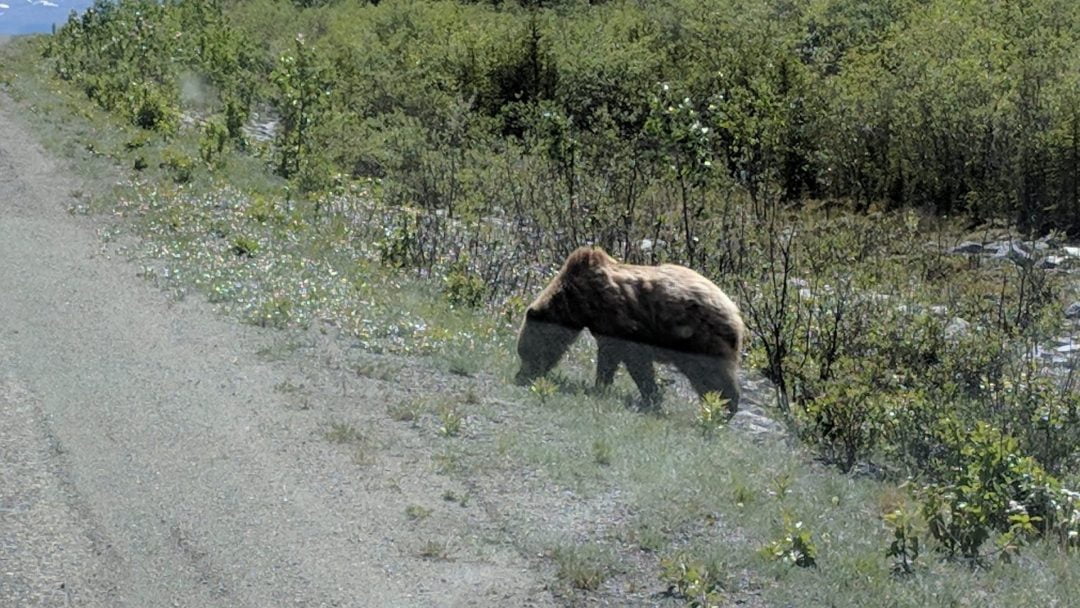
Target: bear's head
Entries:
(541, 342)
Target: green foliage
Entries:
(450, 420)
(179, 165)
(713, 412)
(846, 421)
(795, 546)
(304, 81)
(584, 567)
(406, 411)
(215, 134)
(343, 432)
(245, 246)
(399, 242)
(149, 107)
(276, 311)
(544, 388)
(701, 585)
(128, 57)
(602, 452)
(990, 488)
(462, 287)
(906, 531)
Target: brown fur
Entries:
(638, 314)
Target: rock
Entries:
(967, 247)
(647, 245)
(1068, 349)
(1051, 261)
(1013, 251)
(1073, 252)
(1073, 311)
(956, 328)
(756, 425)
(939, 310)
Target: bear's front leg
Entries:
(607, 361)
(639, 362)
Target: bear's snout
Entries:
(523, 377)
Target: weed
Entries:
(417, 512)
(795, 545)
(288, 387)
(450, 460)
(244, 246)
(377, 370)
(601, 450)
(274, 312)
(450, 420)
(179, 165)
(435, 550)
(650, 537)
(712, 413)
(406, 411)
(742, 495)
(781, 485)
(461, 364)
(451, 496)
(544, 388)
(701, 585)
(584, 567)
(904, 549)
(343, 432)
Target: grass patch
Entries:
(451, 420)
(406, 411)
(417, 512)
(436, 550)
(343, 432)
(584, 567)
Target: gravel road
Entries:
(148, 456)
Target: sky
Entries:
(32, 16)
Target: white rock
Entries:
(1052, 261)
(967, 247)
(956, 328)
(1073, 311)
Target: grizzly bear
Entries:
(638, 315)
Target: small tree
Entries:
(304, 83)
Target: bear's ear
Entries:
(532, 314)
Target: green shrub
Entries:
(462, 287)
(212, 142)
(795, 546)
(179, 165)
(700, 584)
(990, 487)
